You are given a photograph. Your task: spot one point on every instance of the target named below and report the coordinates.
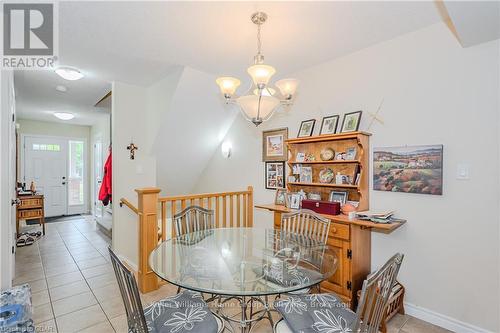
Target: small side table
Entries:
(30, 207)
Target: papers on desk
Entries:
(378, 217)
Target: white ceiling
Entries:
(470, 29)
(140, 42)
(37, 98)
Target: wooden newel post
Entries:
(148, 236)
(250, 206)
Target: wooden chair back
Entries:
(192, 219)
(307, 223)
(375, 296)
(130, 295)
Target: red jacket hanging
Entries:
(105, 191)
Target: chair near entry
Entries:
(166, 315)
(327, 313)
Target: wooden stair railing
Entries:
(231, 209)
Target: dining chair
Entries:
(166, 315)
(308, 227)
(326, 312)
(192, 219)
(306, 223)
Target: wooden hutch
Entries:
(351, 239)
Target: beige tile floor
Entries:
(74, 287)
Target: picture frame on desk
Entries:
(338, 196)
(281, 197)
(294, 200)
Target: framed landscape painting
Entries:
(410, 169)
(273, 145)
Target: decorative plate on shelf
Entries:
(326, 176)
(327, 154)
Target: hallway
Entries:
(72, 281)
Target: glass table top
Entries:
(243, 261)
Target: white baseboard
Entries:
(441, 320)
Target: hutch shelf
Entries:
(351, 239)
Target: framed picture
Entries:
(409, 169)
(281, 197)
(275, 175)
(294, 200)
(306, 128)
(338, 196)
(351, 121)
(350, 154)
(273, 145)
(329, 125)
(306, 174)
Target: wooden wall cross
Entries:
(132, 147)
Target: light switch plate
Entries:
(463, 171)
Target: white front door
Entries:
(45, 163)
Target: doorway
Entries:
(57, 166)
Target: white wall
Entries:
(130, 119)
(37, 127)
(192, 124)
(7, 183)
(435, 92)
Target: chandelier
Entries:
(260, 102)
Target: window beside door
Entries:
(76, 172)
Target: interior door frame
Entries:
(96, 186)
(86, 187)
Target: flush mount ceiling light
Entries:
(64, 115)
(69, 73)
(61, 88)
(260, 102)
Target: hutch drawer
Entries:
(338, 230)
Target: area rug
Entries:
(57, 219)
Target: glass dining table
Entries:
(243, 264)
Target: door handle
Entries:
(63, 183)
(16, 202)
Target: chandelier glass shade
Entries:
(261, 100)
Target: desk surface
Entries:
(387, 228)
